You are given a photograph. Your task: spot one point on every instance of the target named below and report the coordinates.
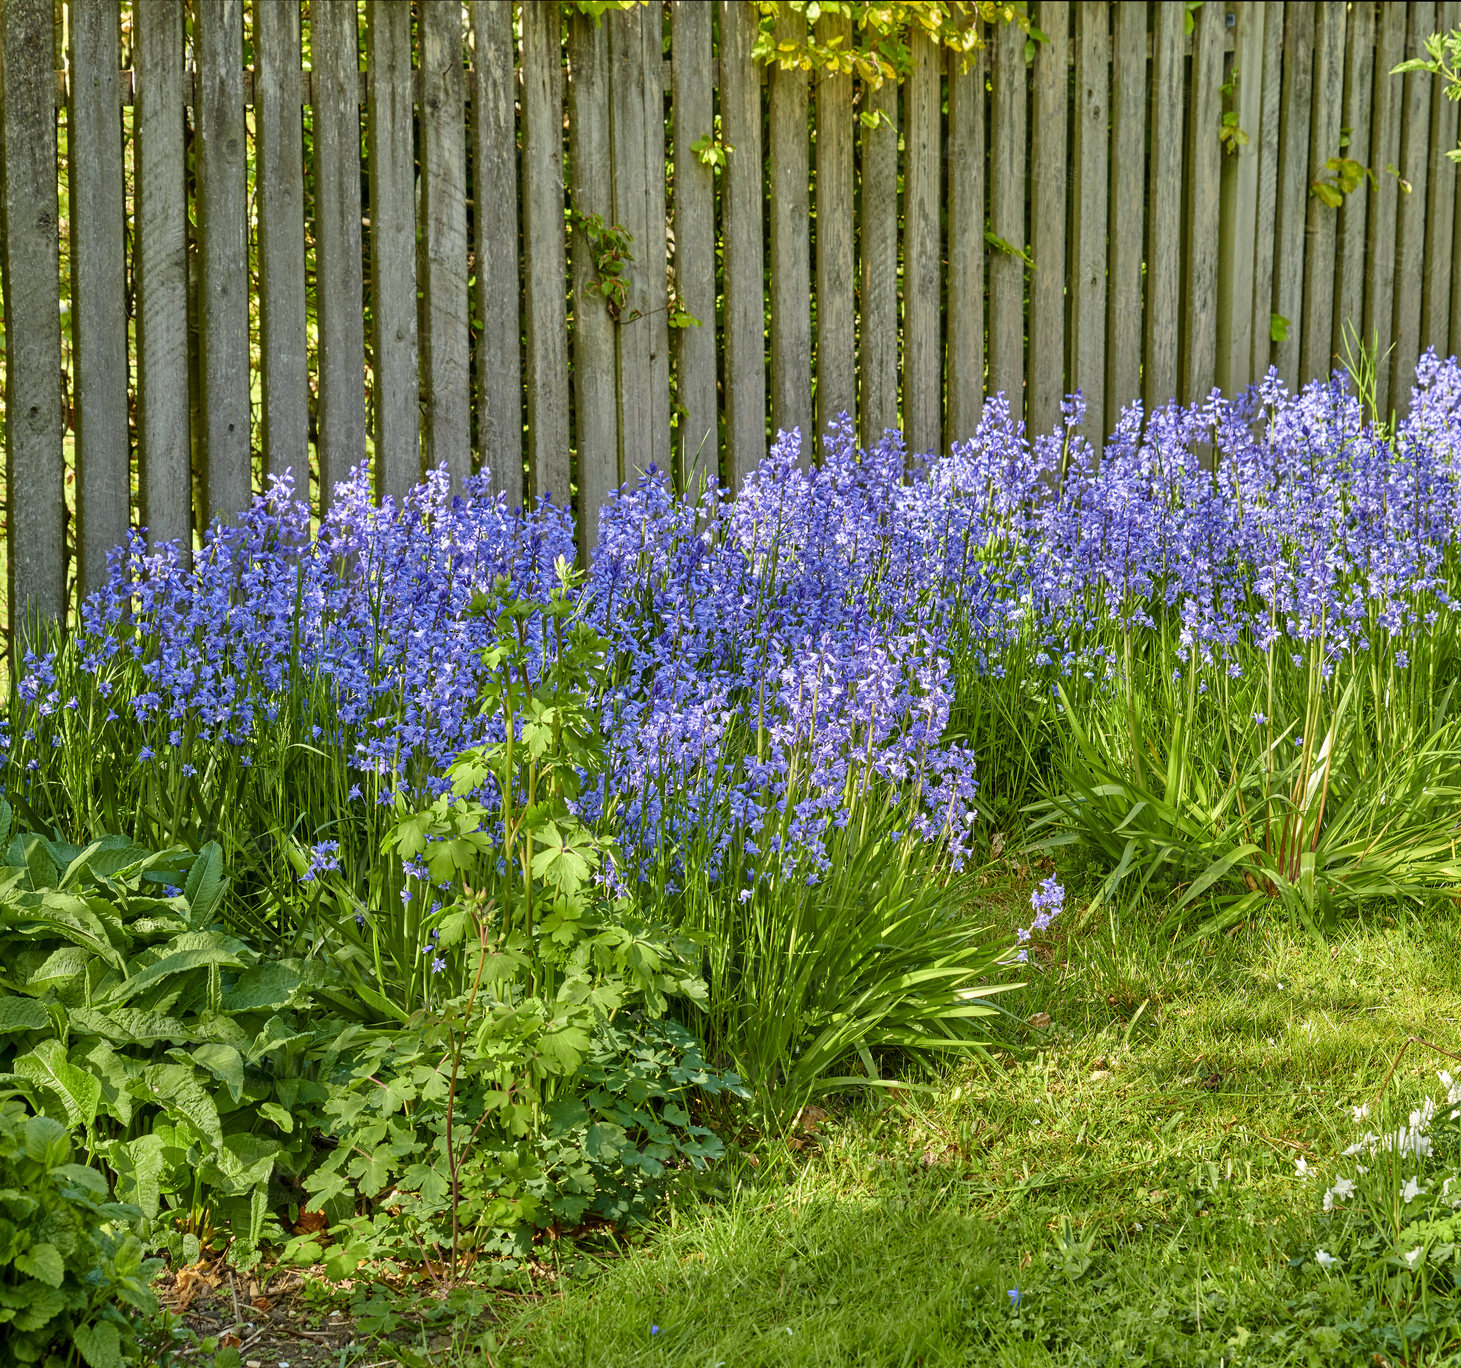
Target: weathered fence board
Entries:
(1049, 173)
(964, 366)
(791, 318)
(1007, 217)
(544, 255)
(694, 256)
(223, 279)
(98, 274)
(741, 203)
(929, 242)
(445, 324)
(495, 247)
(923, 387)
(1316, 349)
(162, 279)
(395, 383)
(1164, 211)
(283, 343)
(1089, 214)
(595, 384)
(29, 216)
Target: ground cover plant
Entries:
(389, 890)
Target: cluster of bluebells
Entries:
(775, 648)
(1046, 901)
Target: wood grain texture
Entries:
(161, 265)
(655, 241)
(1414, 164)
(499, 357)
(390, 137)
(98, 272)
(1164, 211)
(1316, 350)
(1007, 218)
(694, 350)
(1238, 232)
(1128, 190)
(30, 256)
(283, 352)
(1204, 181)
(1349, 273)
(790, 281)
(923, 380)
(1266, 137)
(595, 400)
(545, 254)
(1435, 306)
(741, 200)
(445, 323)
(1089, 218)
(1384, 197)
(964, 350)
(223, 282)
(1293, 183)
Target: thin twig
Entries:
(1400, 1054)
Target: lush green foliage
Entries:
(67, 1257)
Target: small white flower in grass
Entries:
(1411, 1190)
(1302, 1169)
(1413, 1257)
(1360, 1113)
(1324, 1259)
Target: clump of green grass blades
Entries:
(1132, 1176)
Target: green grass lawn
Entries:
(1131, 1171)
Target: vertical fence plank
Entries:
(29, 217)
(1293, 183)
(1128, 196)
(1349, 273)
(446, 328)
(1322, 233)
(922, 259)
(223, 305)
(1007, 218)
(592, 193)
(836, 325)
(544, 255)
(1204, 183)
(1049, 174)
(1267, 139)
(334, 57)
(1164, 211)
(1415, 129)
(630, 212)
(161, 265)
(745, 329)
(1435, 297)
(694, 348)
(655, 240)
(1238, 234)
(283, 354)
(1384, 197)
(395, 386)
(878, 267)
(495, 244)
(1089, 216)
(98, 310)
(791, 325)
(964, 394)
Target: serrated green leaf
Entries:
(139, 1166)
(43, 1262)
(48, 1069)
(100, 1344)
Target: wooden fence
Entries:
(244, 237)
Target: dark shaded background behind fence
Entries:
(244, 237)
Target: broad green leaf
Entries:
(100, 1344)
(266, 986)
(176, 1089)
(49, 1070)
(102, 858)
(139, 1166)
(222, 1061)
(206, 884)
(42, 1261)
(22, 1014)
(202, 952)
(33, 854)
(272, 1111)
